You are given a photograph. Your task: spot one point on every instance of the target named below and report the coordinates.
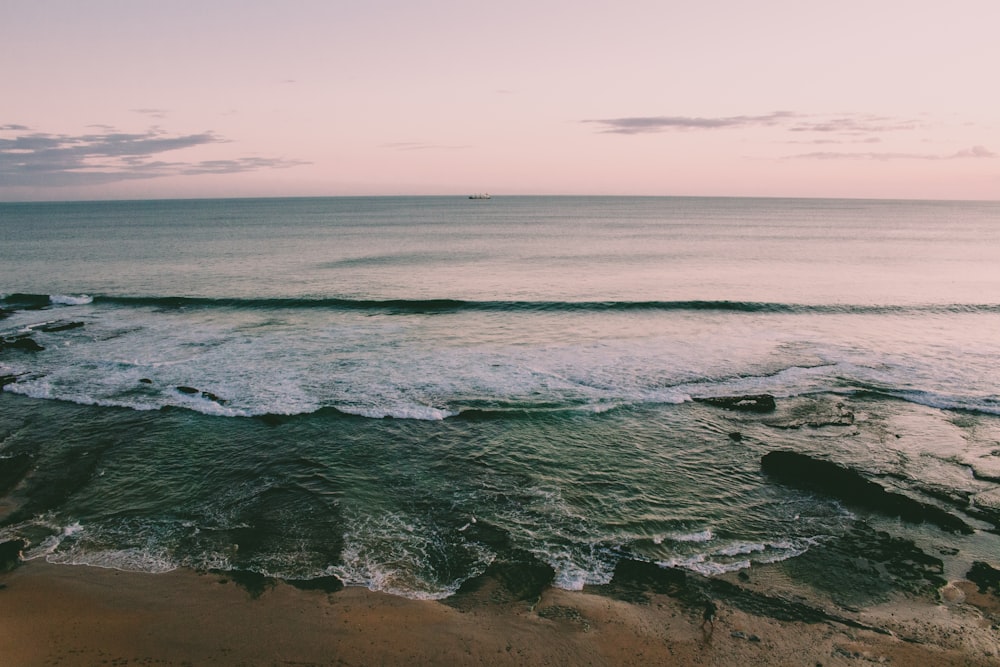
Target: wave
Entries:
(432, 306)
(985, 405)
(20, 301)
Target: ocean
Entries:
(404, 392)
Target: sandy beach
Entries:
(71, 615)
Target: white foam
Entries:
(419, 412)
(72, 529)
(70, 300)
(741, 549)
(394, 554)
(126, 560)
(699, 536)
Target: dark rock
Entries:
(6, 380)
(984, 576)
(22, 342)
(326, 584)
(191, 391)
(777, 607)
(519, 577)
(634, 580)
(804, 472)
(56, 327)
(27, 301)
(212, 397)
(736, 436)
(747, 403)
(514, 575)
(145, 381)
(864, 565)
(10, 554)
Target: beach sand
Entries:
(74, 615)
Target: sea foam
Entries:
(71, 300)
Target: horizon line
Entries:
(492, 196)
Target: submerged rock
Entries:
(6, 380)
(746, 403)
(328, 584)
(813, 414)
(804, 472)
(13, 469)
(863, 565)
(23, 342)
(10, 554)
(191, 391)
(56, 327)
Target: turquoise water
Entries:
(357, 386)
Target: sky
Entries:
(145, 99)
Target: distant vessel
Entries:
(480, 195)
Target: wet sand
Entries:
(72, 615)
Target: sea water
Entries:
(357, 386)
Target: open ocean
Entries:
(400, 392)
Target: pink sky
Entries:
(144, 99)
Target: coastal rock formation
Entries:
(984, 576)
(863, 565)
(812, 414)
(745, 403)
(22, 342)
(10, 554)
(804, 472)
(62, 325)
(191, 391)
(635, 580)
(514, 575)
(6, 380)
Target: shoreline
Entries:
(80, 615)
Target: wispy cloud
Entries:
(854, 124)
(846, 125)
(648, 124)
(152, 113)
(976, 152)
(31, 158)
(418, 146)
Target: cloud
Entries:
(976, 152)
(153, 113)
(648, 124)
(846, 126)
(854, 124)
(40, 159)
(418, 146)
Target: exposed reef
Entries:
(804, 472)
